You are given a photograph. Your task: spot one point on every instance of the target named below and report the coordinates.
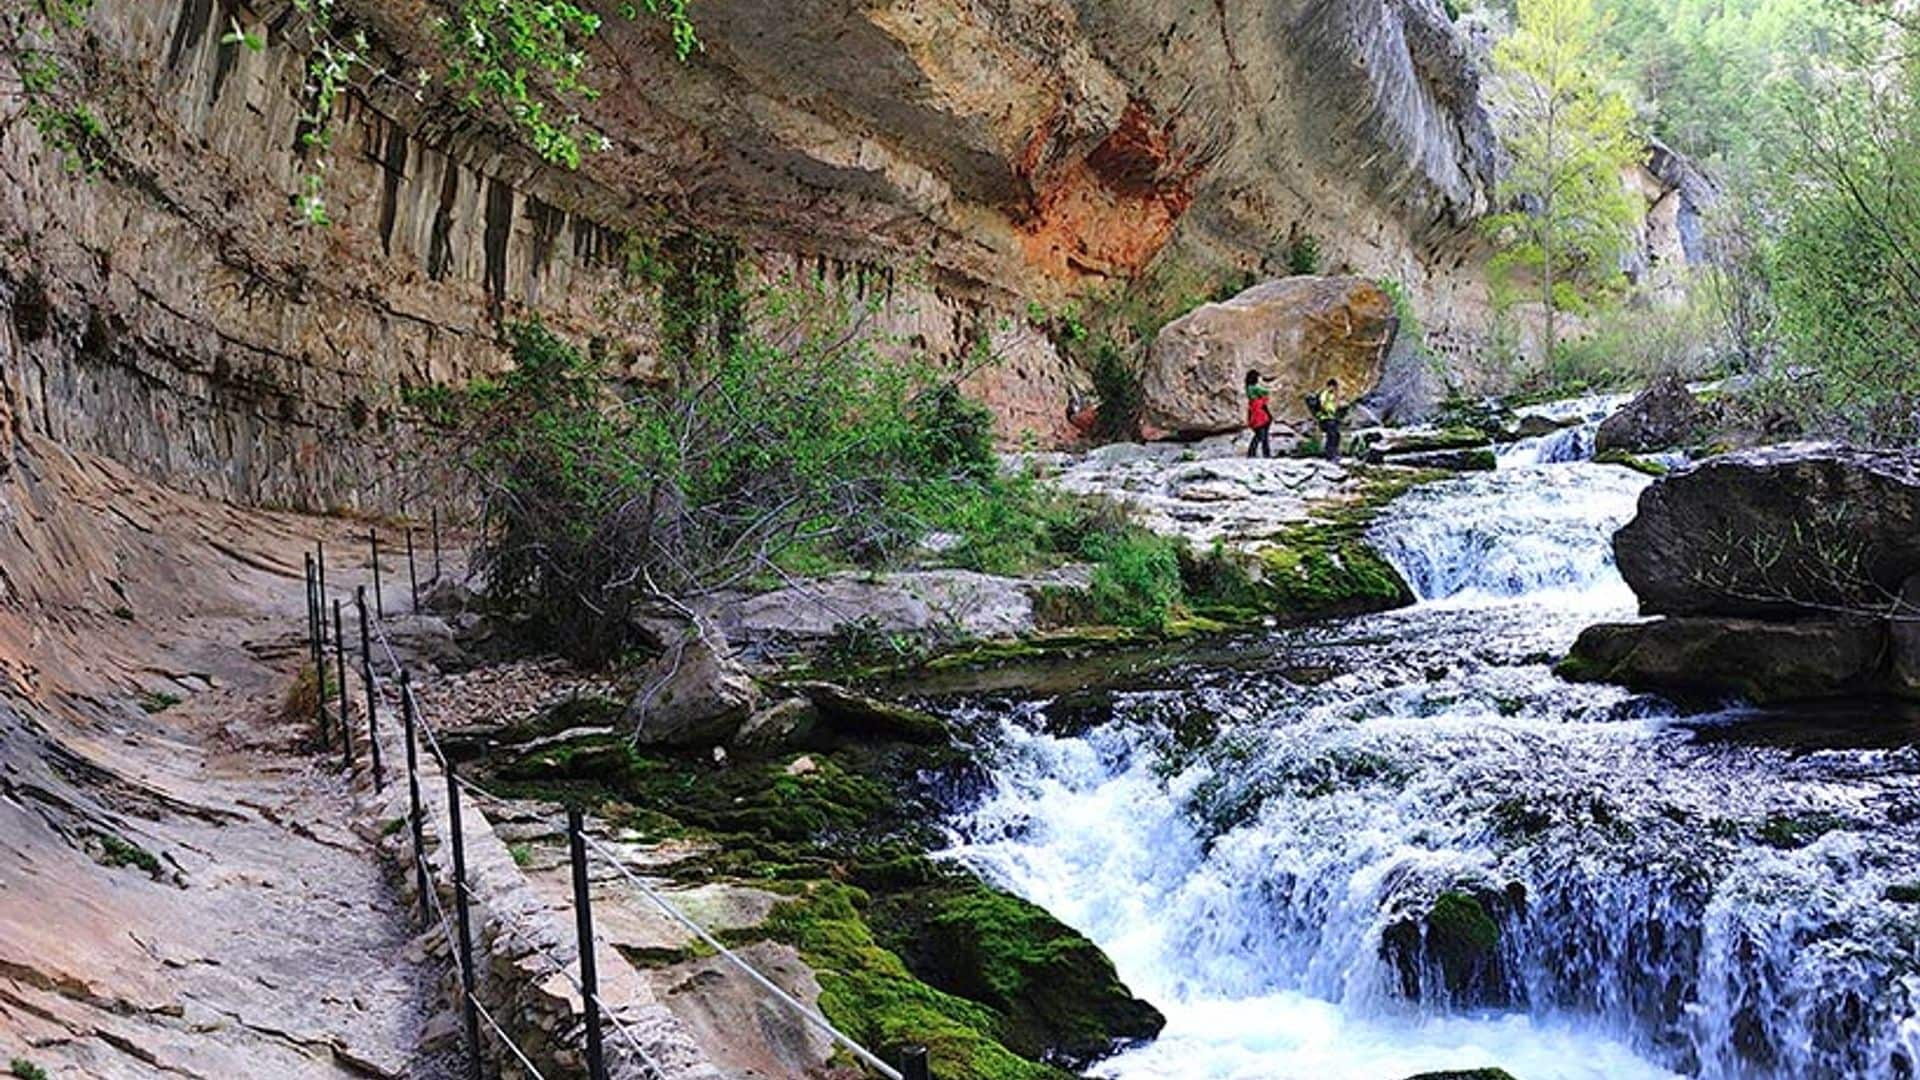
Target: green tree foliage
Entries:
(1845, 265)
(1699, 65)
(1566, 129)
(37, 38)
(797, 437)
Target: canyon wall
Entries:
(965, 166)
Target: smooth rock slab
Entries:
(1761, 661)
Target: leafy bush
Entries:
(793, 438)
(1116, 383)
(1303, 255)
(1136, 578)
(1628, 345)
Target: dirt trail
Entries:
(181, 892)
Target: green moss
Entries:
(522, 854)
(608, 759)
(1903, 893)
(1056, 993)
(868, 992)
(1458, 938)
(1645, 466)
(393, 825)
(157, 701)
(1797, 830)
(1465, 1074)
(118, 851)
(26, 1070)
(1318, 569)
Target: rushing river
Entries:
(1257, 836)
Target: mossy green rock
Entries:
(1321, 570)
(1465, 1074)
(868, 992)
(1057, 993)
(1459, 939)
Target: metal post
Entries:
(413, 575)
(461, 917)
(346, 722)
(320, 575)
(913, 1063)
(583, 923)
(436, 543)
(413, 800)
(366, 676)
(373, 542)
(316, 657)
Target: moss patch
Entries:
(26, 1070)
(1458, 939)
(117, 851)
(1797, 830)
(869, 993)
(1644, 466)
(1057, 994)
(152, 701)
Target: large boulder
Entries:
(1663, 416)
(1298, 332)
(1778, 531)
(1905, 639)
(695, 692)
(1708, 658)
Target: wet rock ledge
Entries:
(1782, 573)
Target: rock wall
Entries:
(966, 160)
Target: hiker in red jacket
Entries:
(1259, 417)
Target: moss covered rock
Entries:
(1056, 993)
(1453, 948)
(868, 992)
(1321, 570)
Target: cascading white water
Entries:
(1662, 903)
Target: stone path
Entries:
(180, 891)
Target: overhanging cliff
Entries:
(959, 161)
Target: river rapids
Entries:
(1375, 847)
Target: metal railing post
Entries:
(913, 1064)
(413, 799)
(316, 656)
(366, 676)
(583, 923)
(461, 917)
(346, 721)
(413, 574)
(320, 577)
(373, 545)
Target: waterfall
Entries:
(1512, 532)
(1649, 896)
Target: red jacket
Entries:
(1259, 413)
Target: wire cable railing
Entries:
(419, 731)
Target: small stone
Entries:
(804, 765)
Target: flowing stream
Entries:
(1381, 846)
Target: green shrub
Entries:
(1116, 384)
(1303, 255)
(776, 433)
(1136, 578)
(26, 1070)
